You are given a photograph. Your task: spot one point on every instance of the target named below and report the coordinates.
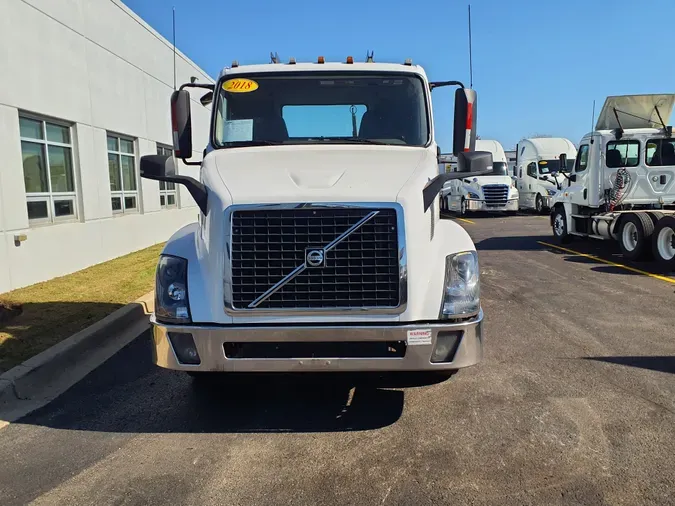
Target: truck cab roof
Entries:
(323, 67)
(548, 147)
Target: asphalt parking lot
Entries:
(574, 403)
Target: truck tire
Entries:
(635, 235)
(655, 216)
(559, 225)
(663, 243)
(539, 204)
(462, 207)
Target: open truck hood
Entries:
(635, 111)
(314, 173)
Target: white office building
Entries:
(84, 93)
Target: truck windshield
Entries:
(499, 169)
(549, 166)
(319, 107)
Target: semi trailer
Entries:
(319, 245)
(622, 185)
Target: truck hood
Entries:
(477, 182)
(311, 173)
(484, 180)
(551, 184)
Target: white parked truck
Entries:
(493, 193)
(319, 245)
(537, 171)
(622, 186)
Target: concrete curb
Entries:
(45, 376)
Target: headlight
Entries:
(462, 285)
(473, 195)
(171, 296)
(551, 192)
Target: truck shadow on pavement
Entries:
(129, 394)
(653, 363)
(512, 243)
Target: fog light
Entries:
(184, 347)
(446, 346)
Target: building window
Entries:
(167, 191)
(47, 153)
(122, 171)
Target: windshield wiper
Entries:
(254, 143)
(355, 140)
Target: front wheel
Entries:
(560, 230)
(462, 207)
(663, 243)
(539, 204)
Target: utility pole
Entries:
(470, 53)
(174, 47)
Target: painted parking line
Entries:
(466, 221)
(609, 262)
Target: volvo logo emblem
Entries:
(314, 257)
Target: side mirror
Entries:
(181, 123)
(207, 98)
(563, 161)
(464, 134)
(162, 168)
(475, 161)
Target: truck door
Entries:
(530, 184)
(520, 184)
(578, 186)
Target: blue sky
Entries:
(538, 64)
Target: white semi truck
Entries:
(494, 193)
(319, 245)
(622, 185)
(537, 171)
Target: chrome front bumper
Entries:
(210, 344)
(480, 205)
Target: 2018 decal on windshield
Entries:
(240, 85)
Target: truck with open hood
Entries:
(622, 184)
(319, 245)
(494, 193)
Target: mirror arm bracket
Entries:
(211, 87)
(196, 189)
(438, 84)
(188, 162)
(434, 186)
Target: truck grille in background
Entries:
(362, 271)
(496, 194)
